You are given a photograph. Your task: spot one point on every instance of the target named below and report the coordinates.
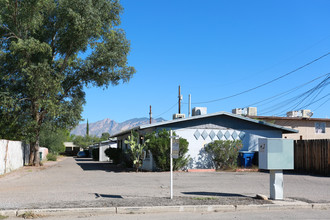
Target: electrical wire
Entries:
(321, 104)
(167, 110)
(293, 103)
(266, 83)
(280, 95)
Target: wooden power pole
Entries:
(179, 99)
(150, 114)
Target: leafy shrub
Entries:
(85, 141)
(87, 152)
(53, 139)
(114, 154)
(51, 157)
(159, 146)
(224, 153)
(126, 159)
(96, 154)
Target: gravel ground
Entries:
(147, 201)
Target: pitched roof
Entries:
(178, 121)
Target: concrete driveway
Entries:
(82, 181)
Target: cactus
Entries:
(136, 150)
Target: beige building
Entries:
(71, 149)
(309, 128)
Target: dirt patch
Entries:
(117, 201)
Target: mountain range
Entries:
(111, 126)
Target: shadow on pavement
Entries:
(83, 159)
(214, 194)
(97, 195)
(87, 164)
(296, 173)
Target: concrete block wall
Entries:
(13, 155)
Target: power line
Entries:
(266, 83)
(287, 92)
(167, 110)
(298, 100)
(321, 104)
(315, 101)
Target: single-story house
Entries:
(202, 129)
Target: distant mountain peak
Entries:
(111, 126)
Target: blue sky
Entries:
(214, 49)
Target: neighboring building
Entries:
(309, 128)
(71, 149)
(102, 146)
(200, 130)
(43, 151)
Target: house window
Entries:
(319, 127)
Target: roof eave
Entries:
(174, 121)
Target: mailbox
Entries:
(276, 154)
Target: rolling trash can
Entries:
(246, 158)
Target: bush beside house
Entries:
(159, 146)
(114, 154)
(96, 154)
(224, 154)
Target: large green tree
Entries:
(85, 141)
(53, 138)
(49, 51)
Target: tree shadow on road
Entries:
(214, 194)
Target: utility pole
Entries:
(150, 114)
(189, 106)
(179, 99)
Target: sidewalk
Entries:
(278, 205)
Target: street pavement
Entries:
(73, 182)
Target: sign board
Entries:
(175, 149)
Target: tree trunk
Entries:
(34, 145)
(34, 153)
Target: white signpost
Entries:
(174, 153)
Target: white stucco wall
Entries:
(148, 163)
(250, 141)
(196, 145)
(102, 155)
(13, 154)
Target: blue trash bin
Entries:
(246, 158)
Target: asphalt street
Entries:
(82, 181)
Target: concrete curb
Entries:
(68, 211)
(164, 209)
(8, 212)
(186, 208)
